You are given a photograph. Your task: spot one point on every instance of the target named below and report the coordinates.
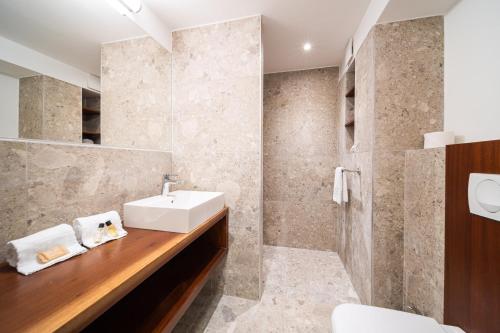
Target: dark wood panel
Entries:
(68, 296)
(472, 244)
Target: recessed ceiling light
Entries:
(307, 46)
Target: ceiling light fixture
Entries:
(125, 7)
(307, 47)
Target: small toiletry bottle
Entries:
(100, 233)
(112, 232)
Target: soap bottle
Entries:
(100, 233)
(112, 232)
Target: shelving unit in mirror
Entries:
(91, 116)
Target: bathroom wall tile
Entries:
(398, 98)
(424, 231)
(136, 100)
(365, 95)
(62, 112)
(311, 225)
(409, 58)
(50, 109)
(243, 257)
(217, 104)
(298, 177)
(300, 154)
(88, 180)
(354, 234)
(31, 107)
(13, 192)
(275, 217)
(308, 225)
(241, 183)
(408, 103)
(388, 224)
(222, 51)
(55, 183)
(203, 108)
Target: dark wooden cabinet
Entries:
(472, 244)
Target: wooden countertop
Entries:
(68, 296)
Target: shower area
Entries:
(300, 155)
(368, 118)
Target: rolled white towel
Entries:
(92, 231)
(43, 249)
(340, 193)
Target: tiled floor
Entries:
(301, 288)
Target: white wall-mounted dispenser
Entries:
(484, 195)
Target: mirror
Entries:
(50, 67)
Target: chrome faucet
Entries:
(167, 181)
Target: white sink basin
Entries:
(181, 211)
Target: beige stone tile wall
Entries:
(354, 231)
(49, 109)
(409, 58)
(217, 126)
(31, 107)
(300, 155)
(45, 184)
(424, 223)
(365, 96)
(136, 81)
(408, 103)
(399, 97)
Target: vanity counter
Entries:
(69, 296)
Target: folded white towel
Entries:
(90, 235)
(340, 186)
(22, 253)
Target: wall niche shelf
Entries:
(91, 116)
(350, 93)
(143, 282)
(90, 111)
(349, 105)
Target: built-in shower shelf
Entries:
(88, 133)
(349, 122)
(143, 282)
(350, 93)
(91, 111)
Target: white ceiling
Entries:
(70, 31)
(287, 24)
(400, 10)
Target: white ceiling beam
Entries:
(148, 21)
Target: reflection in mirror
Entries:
(10, 76)
(50, 67)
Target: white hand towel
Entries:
(340, 186)
(345, 197)
(22, 253)
(87, 229)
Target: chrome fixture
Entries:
(167, 181)
(358, 171)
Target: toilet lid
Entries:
(356, 318)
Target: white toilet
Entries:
(357, 318)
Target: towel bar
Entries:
(355, 171)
